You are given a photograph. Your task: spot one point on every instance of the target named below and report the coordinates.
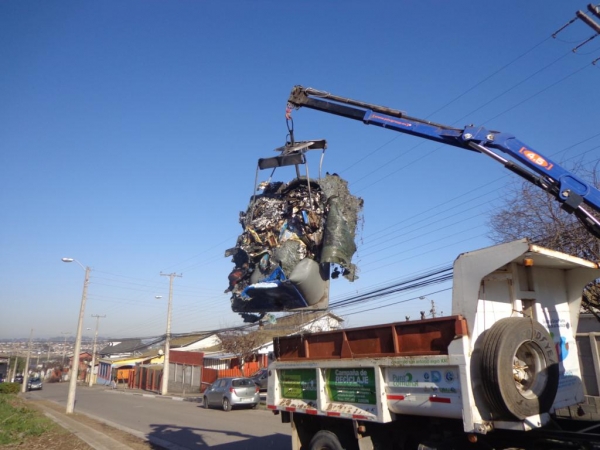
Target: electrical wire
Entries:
(358, 299)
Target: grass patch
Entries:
(10, 388)
(18, 422)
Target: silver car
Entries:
(230, 392)
(261, 379)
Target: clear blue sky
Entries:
(130, 131)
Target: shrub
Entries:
(10, 388)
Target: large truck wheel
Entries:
(325, 440)
(519, 368)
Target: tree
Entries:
(241, 343)
(529, 212)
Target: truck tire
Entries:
(325, 440)
(519, 368)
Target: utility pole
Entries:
(75, 363)
(65, 333)
(14, 371)
(94, 348)
(165, 377)
(26, 370)
(595, 10)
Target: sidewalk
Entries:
(100, 433)
(95, 439)
(102, 440)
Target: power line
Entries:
(433, 215)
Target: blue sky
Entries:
(130, 131)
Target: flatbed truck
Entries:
(489, 376)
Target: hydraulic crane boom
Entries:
(571, 191)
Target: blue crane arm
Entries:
(571, 191)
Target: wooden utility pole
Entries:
(165, 377)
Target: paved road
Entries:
(185, 424)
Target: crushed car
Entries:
(294, 234)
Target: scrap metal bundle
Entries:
(291, 234)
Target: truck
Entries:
(490, 375)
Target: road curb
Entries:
(166, 397)
(149, 438)
(94, 438)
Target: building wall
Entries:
(184, 378)
(185, 357)
(104, 373)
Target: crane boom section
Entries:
(570, 190)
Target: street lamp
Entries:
(75, 363)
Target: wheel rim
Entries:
(529, 371)
(225, 404)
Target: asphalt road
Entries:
(185, 424)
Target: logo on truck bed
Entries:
(298, 384)
(351, 385)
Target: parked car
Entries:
(230, 392)
(34, 384)
(261, 379)
(18, 378)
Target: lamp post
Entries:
(75, 363)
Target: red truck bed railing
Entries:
(419, 337)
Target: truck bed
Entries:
(422, 337)
(368, 373)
